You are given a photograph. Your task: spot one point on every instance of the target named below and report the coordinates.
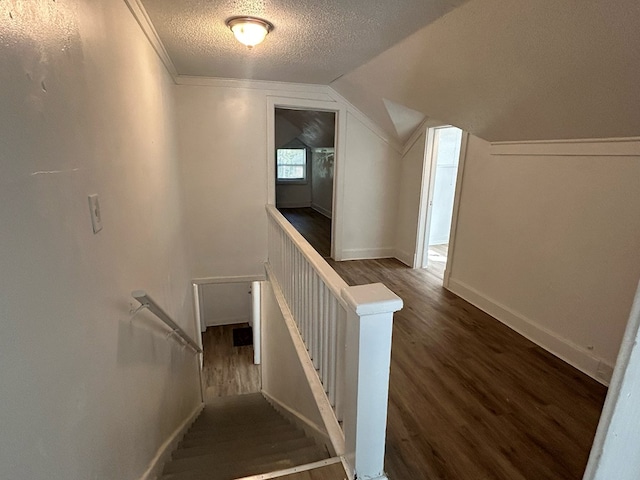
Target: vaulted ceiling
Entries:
(501, 69)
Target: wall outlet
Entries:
(94, 207)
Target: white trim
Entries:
(294, 205)
(292, 470)
(321, 210)
(309, 427)
(215, 322)
(565, 349)
(623, 378)
(256, 321)
(336, 435)
(422, 233)
(464, 143)
(366, 121)
(283, 87)
(166, 449)
(592, 147)
(231, 279)
(368, 253)
(405, 257)
(140, 14)
(340, 151)
(415, 136)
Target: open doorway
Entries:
(304, 170)
(439, 188)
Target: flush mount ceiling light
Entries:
(249, 30)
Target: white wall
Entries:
(225, 303)
(222, 143)
(322, 164)
(86, 107)
(409, 192)
(283, 377)
(547, 241)
(370, 194)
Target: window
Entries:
(291, 165)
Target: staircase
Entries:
(240, 436)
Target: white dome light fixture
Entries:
(249, 31)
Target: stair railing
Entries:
(147, 302)
(347, 332)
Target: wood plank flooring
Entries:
(470, 399)
(227, 370)
(313, 226)
(438, 259)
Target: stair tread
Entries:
(234, 470)
(240, 436)
(203, 447)
(231, 435)
(239, 453)
(245, 427)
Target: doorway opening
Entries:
(439, 188)
(304, 143)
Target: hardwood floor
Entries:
(227, 370)
(313, 226)
(470, 399)
(438, 259)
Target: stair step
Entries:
(240, 436)
(250, 442)
(250, 420)
(224, 420)
(264, 464)
(237, 454)
(232, 435)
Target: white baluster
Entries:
(332, 355)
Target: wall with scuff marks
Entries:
(86, 107)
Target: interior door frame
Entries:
(340, 110)
(426, 197)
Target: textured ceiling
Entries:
(514, 70)
(313, 41)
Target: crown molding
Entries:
(141, 16)
(586, 147)
(251, 84)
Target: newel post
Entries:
(367, 363)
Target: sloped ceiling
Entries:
(504, 70)
(315, 129)
(313, 41)
(514, 70)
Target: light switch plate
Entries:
(94, 207)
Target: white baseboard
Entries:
(166, 449)
(367, 253)
(213, 322)
(405, 257)
(310, 428)
(293, 205)
(575, 355)
(321, 210)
